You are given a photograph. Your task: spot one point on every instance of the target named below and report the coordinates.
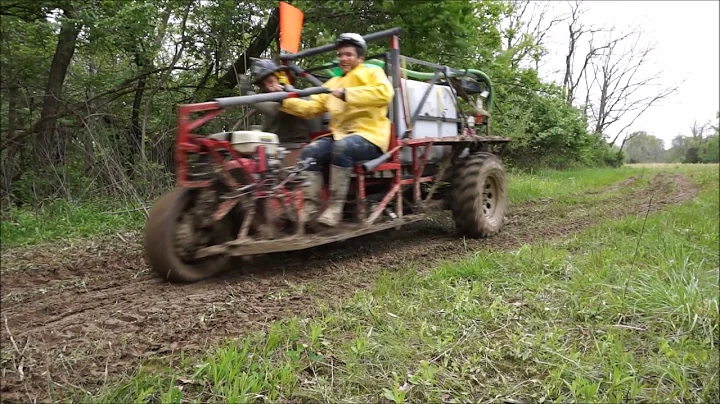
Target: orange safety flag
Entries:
(291, 21)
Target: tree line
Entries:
(701, 144)
(90, 88)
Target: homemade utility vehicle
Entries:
(235, 197)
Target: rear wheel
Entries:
(478, 197)
(178, 226)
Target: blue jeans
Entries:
(343, 153)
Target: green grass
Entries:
(550, 184)
(624, 311)
(62, 220)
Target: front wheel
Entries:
(172, 236)
(478, 197)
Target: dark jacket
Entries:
(289, 128)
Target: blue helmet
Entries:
(262, 68)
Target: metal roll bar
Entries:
(268, 97)
(322, 49)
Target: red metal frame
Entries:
(394, 165)
(187, 142)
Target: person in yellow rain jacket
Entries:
(360, 128)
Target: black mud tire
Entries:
(478, 196)
(159, 241)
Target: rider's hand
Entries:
(274, 87)
(339, 93)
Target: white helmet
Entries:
(353, 39)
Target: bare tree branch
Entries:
(68, 109)
(698, 131)
(179, 48)
(645, 108)
(259, 44)
(527, 29)
(619, 89)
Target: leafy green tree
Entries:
(89, 89)
(643, 148)
(709, 152)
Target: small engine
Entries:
(246, 143)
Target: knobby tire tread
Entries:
(469, 177)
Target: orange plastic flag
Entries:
(291, 21)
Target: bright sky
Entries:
(687, 37)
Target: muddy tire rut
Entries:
(82, 314)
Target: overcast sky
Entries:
(687, 48)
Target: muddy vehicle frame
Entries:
(232, 202)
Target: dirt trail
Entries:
(90, 311)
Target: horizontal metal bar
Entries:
(382, 56)
(247, 247)
(437, 119)
(410, 180)
(433, 65)
(265, 97)
(326, 48)
(455, 139)
(200, 106)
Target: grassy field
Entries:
(62, 220)
(626, 310)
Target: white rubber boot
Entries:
(312, 194)
(339, 184)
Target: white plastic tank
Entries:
(438, 104)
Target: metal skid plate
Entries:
(242, 247)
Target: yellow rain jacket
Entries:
(368, 94)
